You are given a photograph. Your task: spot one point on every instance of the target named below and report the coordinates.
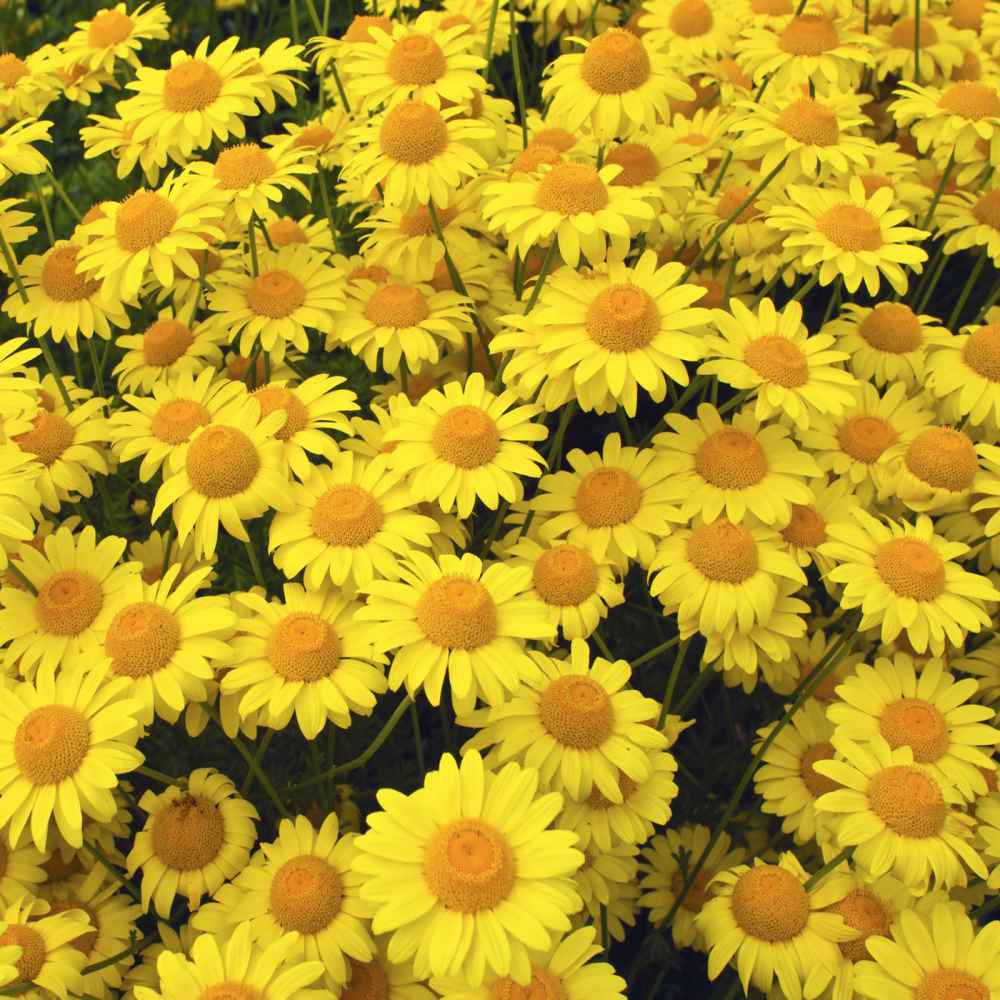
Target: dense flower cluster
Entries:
(552, 375)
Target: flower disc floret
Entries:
(51, 744)
(306, 894)
(469, 866)
(188, 834)
(770, 904)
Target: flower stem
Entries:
(844, 855)
(675, 672)
(66, 199)
(46, 215)
(160, 776)
(418, 743)
(653, 653)
(111, 869)
(916, 41)
(967, 290)
(938, 191)
(515, 52)
(255, 564)
(262, 746)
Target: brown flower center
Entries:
(915, 723)
(809, 123)
(699, 893)
(623, 318)
(191, 85)
(275, 294)
(806, 529)
(313, 137)
(973, 101)
(230, 991)
(188, 833)
(304, 647)
(577, 712)
(367, 981)
(33, 950)
(951, 984)
(808, 35)
(862, 911)
(176, 421)
(982, 352)
(457, 613)
(416, 61)
(222, 462)
(397, 306)
(68, 602)
(967, 14)
(907, 801)
(638, 162)
(911, 568)
(307, 893)
(731, 200)
(608, 496)
(467, 437)
(532, 157)
(165, 342)
(60, 279)
(851, 228)
(143, 220)
(865, 438)
(49, 437)
(469, 866)
(413, 132)
(818, 784)
(141, 639)
(419, 221)
(904, 34)
(242, 166)
(277, 397)
(565, 575)
(943, 458)
(571, 188)
(544, 985)
(723, 551)
(892, 327)
(779, 360)
(346, 515)
(616, 61)
(691, 19)
(51, 744)
(770, 904)
(731, 459)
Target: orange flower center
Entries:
(84, 943)
(851, 228)
(51, 744)
(165, 342)
(731, 200)
(943, 458)
(806, 529)
(307, 893)
(191, 85)
(531, 158)
(987, 209)
(143, 220)
(313, 137)
(49, 437)
(109, 27)
(469, 866)
(779, 360)
(230, 991)
(466, 436)
(413, 132)
(982, 352)
(12, 69)
(810, 123)
(419, 222)
(862, 911)
(359, 29)
(565, 575)
(973, 101)
(303, 647)
(284, 232)
(773, 8)
(571, 188)
(457, 613)
(911, 568)
(699, 893)
(558, 138)
(346, 515)
(275, 294)
(141, 639)
(176, 421)
(188, 833)
(623, 318)
(967, 14)
(397, 306)
(865, 438)
(808, 35)
(915, 723)
(907, 801)
(608, 496)
(731, 459)
(60, 279)
(723, 551)
(770, 904)
(544, 985)
(367, 981)
(904, 33)
(276, 397)
(33, 950)
(818, 784)
(616, 61)
(68, 602)
(222, 462)
(242, 166)
(577, 712)
(691, 18)
(951, 984)
(892, 327)
(416, 61)
(639, 164)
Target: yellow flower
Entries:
(942, 48)
(14, 230)
(964, 373)
(113, 34)
(689, 31)
(27, 86)
(20, 501)
(955, 118)
(17, 155)
(49, 958)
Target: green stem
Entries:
(691, 695)
(259, 757)
(653, 653)
(743, 396)
(919, 304)
(515, 51)
(111, 869)
(938, 191)
(98, 373)
(805, 289)
(366, 755)
(46, 215)
(675, 672)
(491, 29)
(258, 574)
(916, 41)
(160, 776)
(254, 263)
(67, 201)
(844, 855)
(603, 646)
(324, 193)
(339, 84)
(314, 17)
(967, 290)
(418, 742)
(990, 301)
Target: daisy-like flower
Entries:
(79, 585)
(615, 501)
(455, 617)
(722, 574)
(304, 654)
(20, 389)
(472, 860)
(157, 427)
(887, 343)
(786, 780)
(21, 872)
(574, 204)
(689, 31)
(849, 235)
(955, 118)
(937, 469)
(577, 723)
(607, 883)
(424, 60)
(397, 322)
(322, 137)
(942, 48)
(115, 34)
(350, 522)
(601, 336)
(239, 967)
(819, 136)
(905, 578)
(303, 885)
(965, 374)
(772, 353)
(63, 740)
(152, 233)
(717, 468)
(932, 954)
(48, 956)
(27, 86)
(395, 980)
(17, 154)
(282, 230)
(15, 227)
(653, 159)
(576, 587)
(565, 970)
(765, 921)
(897, 816)
(927, 713)
(172, 345)
(665, 862)
(194, 839)
(62, 302)
(806, 48)
(233, 471)
(857, 443)
(616, 85)
(251, 177)
(117, 137)
(294, 289)
(806, 531)
(970, 219)
(20, 501)
(463, 444)
(165, 640)
(416, 153)
(713, 216)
